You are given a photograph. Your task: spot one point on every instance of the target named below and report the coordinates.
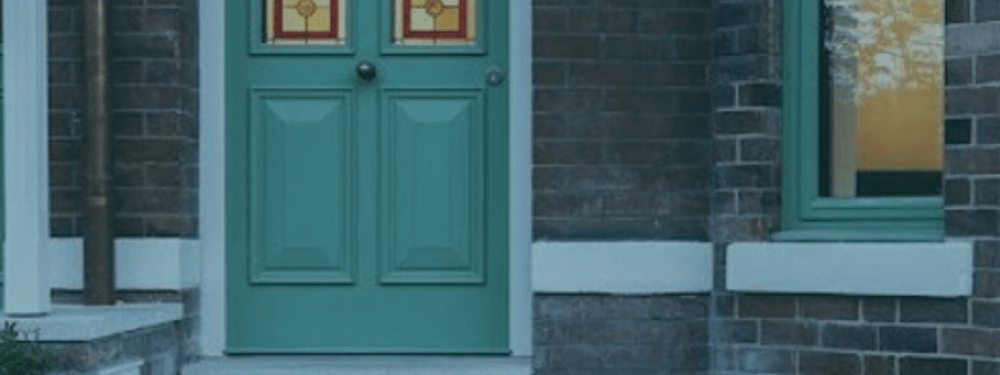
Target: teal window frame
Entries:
(806, 216)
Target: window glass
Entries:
(305, 22)
(434, 22)
(881, 128)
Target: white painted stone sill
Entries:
(925, 269)
(357, 365)
(76, 323)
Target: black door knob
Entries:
(366, 70)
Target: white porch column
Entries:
(25, 158)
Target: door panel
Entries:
(434, 178)
(365, 216)
(301, 143)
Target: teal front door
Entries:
(367, 176)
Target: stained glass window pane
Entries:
(434, 22)
(305, 22)
(882, 111)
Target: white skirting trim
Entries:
(889, 269)
(140, 263)
(131, 368)
(622, 267)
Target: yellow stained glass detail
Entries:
(434, 22)
(304, 22)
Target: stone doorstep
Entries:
(360, 365)
(76, 323)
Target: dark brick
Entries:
(985, 368)
(604, 332)
(988, 67)
(957, 131)
(957, 192)
(759, 149)
(766, 360)
(734, 14)
(746, 176)
(908, 339)
(987, 254)
(787, 332)
(548, 20)
(879, 365)
(960, 101)
(743, 122)
(957, 11)
(966, 341)
(987, 10)
(566, 46)
(725, 150)
(745, 67)
(932, 366)
(936, 310)
(741, 331)
(961, 223)
(988, 130)
(765, 306)
(673, 22)
(861, 337)
(757, 202)
(958, 71)
(692, 102)
(986, 284)
(986, 314)
(724, 203)
(878, 309)
(760, 94)
(829, 308)
(725, 306)
(987, 192)
(723, 96)
(828, 363)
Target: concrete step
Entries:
(359, 365)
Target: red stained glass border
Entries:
(461, 33)
(279, 32)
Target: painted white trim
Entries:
(25, 148)
(140, 263)
(520, 314)
(622, 267)
(74, 323)
(883, 269)
(212, 173)
(212, 176)
(131, 368)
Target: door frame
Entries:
(212, 189)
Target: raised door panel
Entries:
(301, 176)
(433, 184)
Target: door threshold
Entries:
(360, 365)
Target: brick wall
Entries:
(602, 334)
(784, 334)
(621, 139)
(154, 81)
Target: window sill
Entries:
(942, 269)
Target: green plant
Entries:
(22, 357)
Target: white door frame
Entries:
(212, 213)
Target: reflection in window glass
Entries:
(434, 22)
(305, 22)
(882, 113)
